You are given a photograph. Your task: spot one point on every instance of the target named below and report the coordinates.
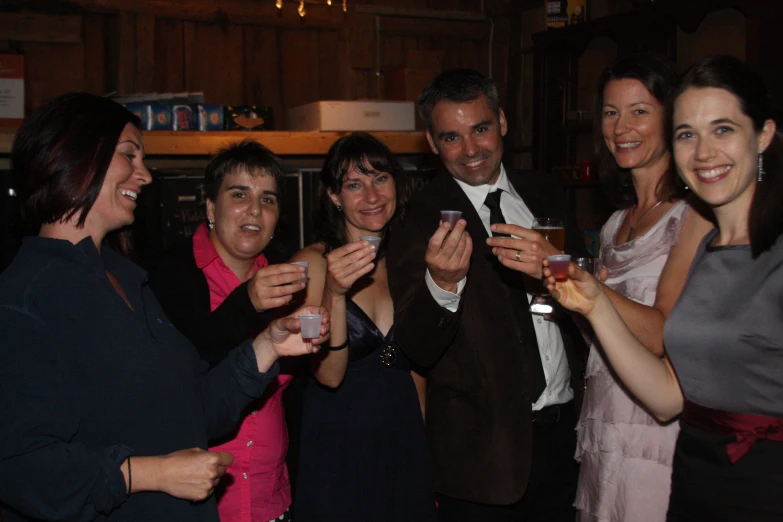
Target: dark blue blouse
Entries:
(85, 381)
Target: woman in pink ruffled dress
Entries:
(646, 248)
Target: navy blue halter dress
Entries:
(363, 447)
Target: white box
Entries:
(353, 116)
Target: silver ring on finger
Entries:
(516, 256)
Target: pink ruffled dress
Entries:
(625, 454)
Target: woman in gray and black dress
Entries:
(724, 336)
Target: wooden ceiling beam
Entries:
(225, 12)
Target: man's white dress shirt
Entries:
(550, 342)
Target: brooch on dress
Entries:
(388, 356)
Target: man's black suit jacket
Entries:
(479, 418)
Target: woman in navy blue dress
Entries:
(363, 447)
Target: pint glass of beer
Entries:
(553, 231)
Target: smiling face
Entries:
(368, 202)
(468, 137)
(632, 124)
(716, 147)
(126, 175)
(245, 214)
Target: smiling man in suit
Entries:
(501, 385)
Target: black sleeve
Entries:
(43, 474)
(182, 291)
(423, 329)
(230, 386)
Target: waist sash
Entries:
(745, 427)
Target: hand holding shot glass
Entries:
(373, 240)
(578, 291)
(350, 262)
(558, 266)
(451, 217)
(302, 331)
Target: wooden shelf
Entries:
(172, 143)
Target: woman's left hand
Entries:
(579, 293)
(282, 338)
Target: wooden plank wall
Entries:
(149, 46)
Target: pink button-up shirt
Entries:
(258, 487)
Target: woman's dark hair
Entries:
(61, 155)
(765, 222)
(659, 76)
(457, 86)
(368, 155)
(246, 155)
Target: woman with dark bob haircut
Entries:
(106, 407)
(363, 448)
(646, 248)
(724, 336)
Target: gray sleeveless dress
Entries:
(725, 340)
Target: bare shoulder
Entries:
(698, 222)
(313, 254)
(316, 273)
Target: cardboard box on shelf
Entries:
(352, 116)
(184, 117)
(154, 116)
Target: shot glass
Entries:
(311, 327)
(373, 240)
(304, 264)
(450, 216)
(559, 266)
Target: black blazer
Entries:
(479, 419)
(182, 290)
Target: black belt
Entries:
(550, 414)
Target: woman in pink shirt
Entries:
(217, 289)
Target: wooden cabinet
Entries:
(567, 63)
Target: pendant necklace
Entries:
(632, 230)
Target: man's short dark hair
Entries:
(457, 86)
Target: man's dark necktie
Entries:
(515, 284)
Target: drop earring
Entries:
(339, 208)
(761, 168)
(211, 225)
